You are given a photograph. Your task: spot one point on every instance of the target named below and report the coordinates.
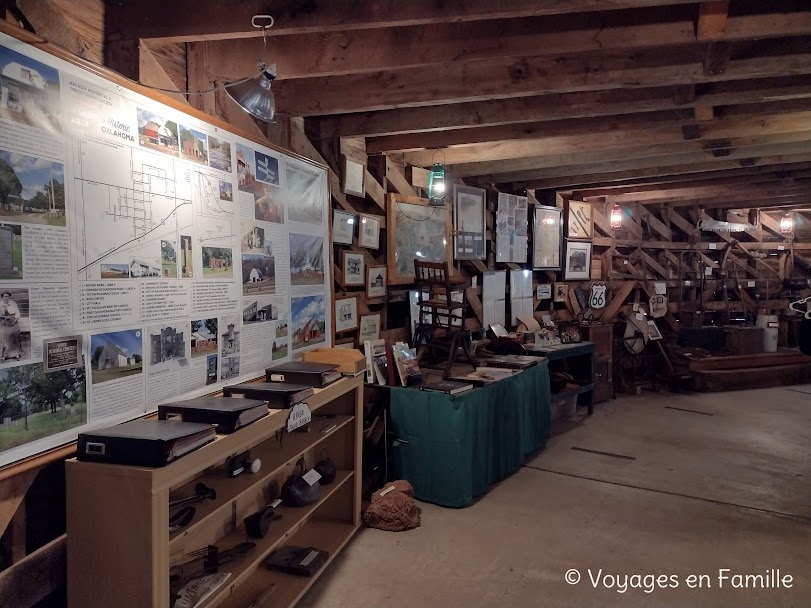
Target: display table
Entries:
(453, 448)
(576, 359)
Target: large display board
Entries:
(145, 254)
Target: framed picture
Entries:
(369, 231)
(343, 227)
(561, 292)
(369, 328)
(415, 231)
(353, 178)
(354, 268)
(376, 281)
(578, 260)
(580, 221)
(468, 217)
(346, 314)
(547, 233)
(653, 330)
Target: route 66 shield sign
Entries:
(597, 298)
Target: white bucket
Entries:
(770, 325)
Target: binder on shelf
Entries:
(278, 395)
(316, 375)
(144, 443)
(228, 415)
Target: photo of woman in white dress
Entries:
(10, 343)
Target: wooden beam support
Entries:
(153, 75)
(535, 140)
(610, 311)
(703, 112)
(559, 106)
(397, 180)
(76, 26)
(36, 576)
(197, 58)
(712, 20)
(716, 62)
(472, 81)
(123, 56)
(219, 21)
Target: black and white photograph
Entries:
(369, 328)
(30, 91)
(259, 310)
(168, 347)
(561, 292)
(304, 191)
(354, 268)
(369, 232)
(376, 282)
(343, 227)
(15, 325)
(258, 273)
(578, 261)
(547, 234)
(346, 314)
(468, 218)
(353, 178)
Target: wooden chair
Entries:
(441, 319)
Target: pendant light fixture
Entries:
(787, 224)
(254, 95)
(436, 182)
(616, 217)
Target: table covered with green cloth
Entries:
(453, 448)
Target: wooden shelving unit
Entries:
(119, 546)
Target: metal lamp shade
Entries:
(255, 96)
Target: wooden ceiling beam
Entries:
(524, 76)
(710, 178)
(756, 203)
(558, 106)
(743, 194)
(663, 174)
(437, 44)
(712, 136)
(746, 151)
(220, 20)
(712, 20)
(676, 191)
(632, 129)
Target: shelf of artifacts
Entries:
(120, 550)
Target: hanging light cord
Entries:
(222, 87)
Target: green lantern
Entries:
(436, 185)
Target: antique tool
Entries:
(181, 519)
(241, 463)
(212, 558)
(201, 492)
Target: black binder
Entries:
(279, 395)
(308, 374)
(143, 443)
(228, 414)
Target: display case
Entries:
(119, 547)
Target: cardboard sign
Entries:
(597, 298)
(299, 416)
(658, 306)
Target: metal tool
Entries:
(201, 492)
(181, 519)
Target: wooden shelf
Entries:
(291, 522)
(230, 489)
(117, 516)
(330, 536)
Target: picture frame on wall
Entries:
(577, 260)
(353, 267)
(353, 178)
(369, 328)
(561, 292)
(343, 227)
(415, 230)
(346, 314)
(468, 221)
(547, 236)
(580, 220)
(376, 281)
(369, 231)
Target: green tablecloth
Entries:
(452, 448)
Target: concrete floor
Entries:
(696, 494)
